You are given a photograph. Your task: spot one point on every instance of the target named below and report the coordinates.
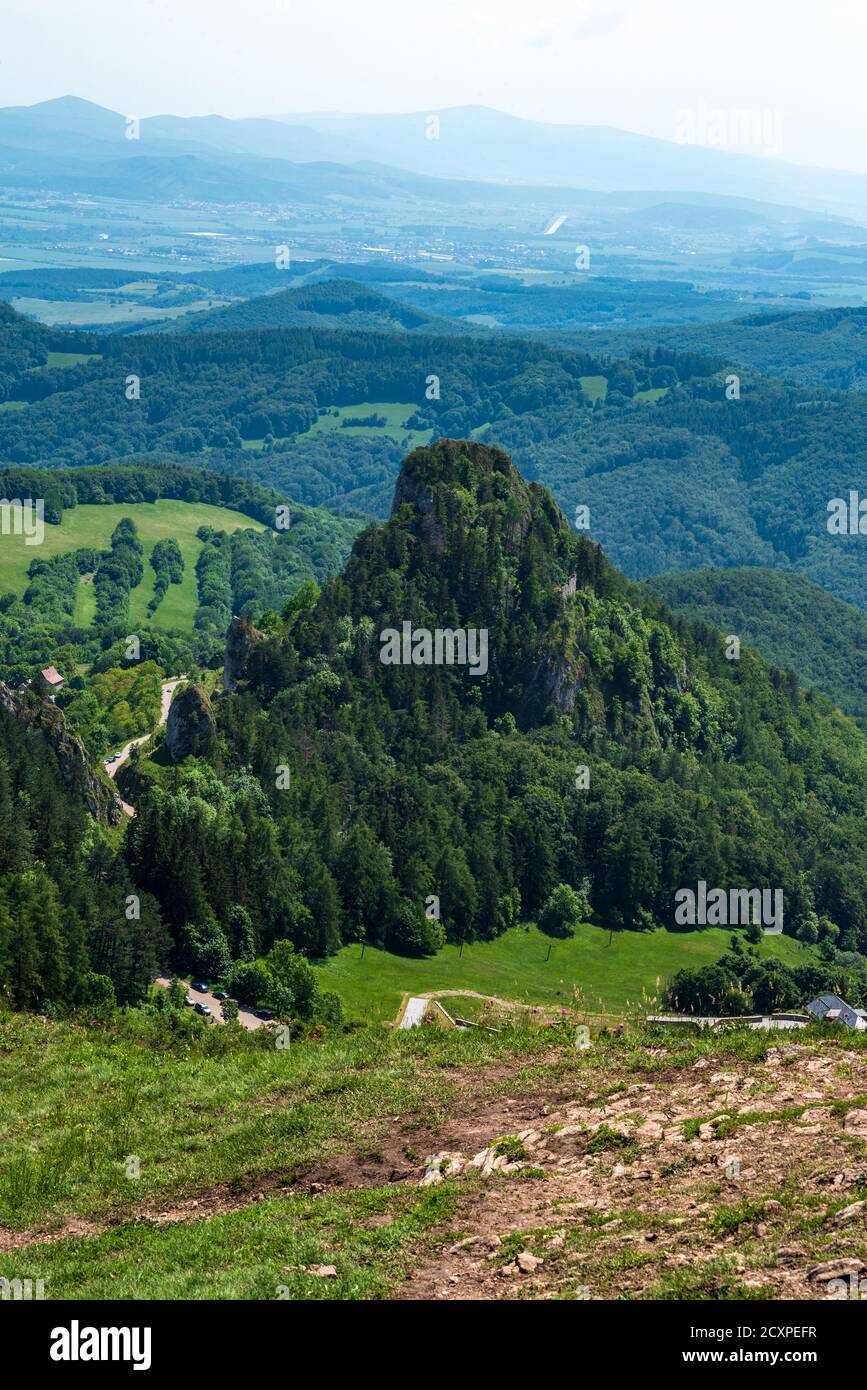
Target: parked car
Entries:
(202, 1008)
(265, 1014)
(220, 994)
(199, 987)
(189, 1000)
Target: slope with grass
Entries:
(91, 526)
(646, 1166)
(595, 970)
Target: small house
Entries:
(52, 680)
(831, 1008)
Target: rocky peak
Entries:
(76, 768)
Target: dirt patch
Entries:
(720, 1180)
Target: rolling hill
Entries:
(820, 347)
(328, 304)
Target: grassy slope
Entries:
(92, 525)
(396, 413)
(78, 1101)
(608, 978)
(206, 1110)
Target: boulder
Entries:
(191, 727)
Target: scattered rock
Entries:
(322, 1271)
(528, 1263)
(835, 1269)
(848, 1214)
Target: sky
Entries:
(635, 64)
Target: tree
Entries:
(295, 975)
(411, 933)
(96, 993)
(564, 911)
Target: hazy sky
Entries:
(630, 63)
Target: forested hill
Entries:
(794, 623)
(677, 472)
(329, 303)
(821, 347)
(599, 745)
(65, 934)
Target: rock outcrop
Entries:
(191, 727)
(76, 768)
(241, 641)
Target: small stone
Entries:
(527, 1262)
(848, 1213)
(322, 1271)
(835, 1269)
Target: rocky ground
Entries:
(719, 1179)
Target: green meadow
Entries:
(395, 414)
(92, 525)
(618, 972)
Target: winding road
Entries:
(112, 765)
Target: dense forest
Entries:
(794, 623)
(606, 756)
(332, 303)
(820, 347)
(67, 931)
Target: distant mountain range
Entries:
(475, 142)
(76, 144)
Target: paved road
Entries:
(247, 1020)
(168, 689)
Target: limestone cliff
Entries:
(241, 641)
(75, 763)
